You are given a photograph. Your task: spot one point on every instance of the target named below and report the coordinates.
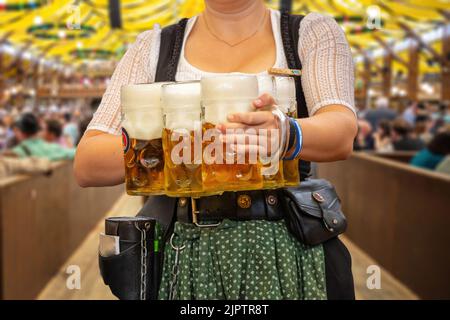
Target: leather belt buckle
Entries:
(195, 213)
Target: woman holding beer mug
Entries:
(251, 258)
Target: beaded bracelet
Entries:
(291, 134)
(298, 140)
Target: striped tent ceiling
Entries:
(77, 32)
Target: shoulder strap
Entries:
(162, 208)
(290, 25)
(170, 50)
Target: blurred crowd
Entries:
(31, 139)
(423, 128)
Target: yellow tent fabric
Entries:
(78, 31)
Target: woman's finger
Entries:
(231, 127)
(251, 118)
(262, 134)
(236, 128)
(269, 142)
(263, 101)
(223, 127)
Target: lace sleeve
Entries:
(328, 75)
(134, 67)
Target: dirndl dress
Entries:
(253, 260)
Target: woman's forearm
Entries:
(99, 160)
(329, 134)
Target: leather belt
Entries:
(242, 205)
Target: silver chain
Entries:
(143, 262)
(175, 270)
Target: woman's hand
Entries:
(263, 119)
(327, 135)
(254, 131)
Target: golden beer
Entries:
(291, 173)
(142, 125)
(222, 95)
(144, 167)
(183, 178)
(273, 181)
(228, 177)
(182, 138)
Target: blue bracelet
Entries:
(299, 141)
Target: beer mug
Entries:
(271, 166)
(224, 169)
(182, 138)
(285, 98)
(142, 125)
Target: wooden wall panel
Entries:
(402, 156)
(42, 220)
(400, 216)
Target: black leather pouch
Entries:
(313, 211)
(133, 273)
(121, 273)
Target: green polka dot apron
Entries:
(254, 259)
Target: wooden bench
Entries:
(401, 156)
(42, 221)
(400, 215)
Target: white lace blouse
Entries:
(327, 75)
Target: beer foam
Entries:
(141, 95)
(217, 112)
(146, 125)
(189, 120)
(181, 95)
(285, 94)
(225, 94)
(226, 87)
(285, 88)
(266, 84)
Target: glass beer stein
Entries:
(182, 138)
(142, 125)
(286, 100)
(271, 166)
(224, 169)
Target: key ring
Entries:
(173, 246)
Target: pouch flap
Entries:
(311, 195)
